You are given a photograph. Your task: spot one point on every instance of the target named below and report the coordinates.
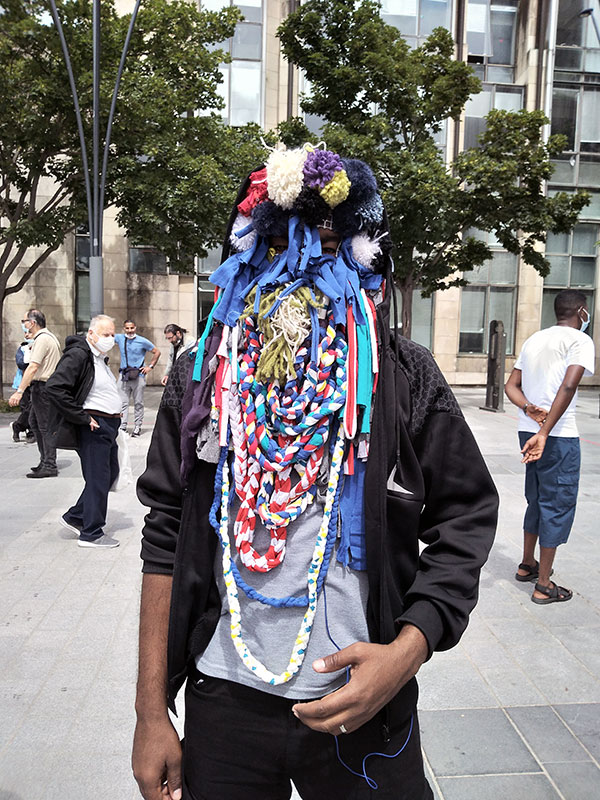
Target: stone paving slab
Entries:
(513, 710)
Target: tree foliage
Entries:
(174, 165)
(386, 103)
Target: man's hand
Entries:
(536, 413)
(156, 760)
(145, 370)
(93, 424)
(377, 673)
(533, 448)
(15, 399)
(164, 380)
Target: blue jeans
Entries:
(551, 486)
(98, 454)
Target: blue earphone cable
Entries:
(370, 782)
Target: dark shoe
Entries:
(30, 438)
(554, 594)
(16, 433)
(137, 432)
(43, 472)
(36, 469)
(533, 573)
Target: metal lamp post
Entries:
(95, 181)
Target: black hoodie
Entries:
(67, 389)
(430, 513)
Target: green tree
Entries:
(385, 103)
(174, 166)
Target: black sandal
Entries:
(554, 592)
(533, 573)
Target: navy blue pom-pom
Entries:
(270, 220)
(362, 180)
(311, 207)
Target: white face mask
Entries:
(105, 343)
(130, 335)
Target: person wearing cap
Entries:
(319, 512)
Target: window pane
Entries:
(584, 240)
(503, 269)
(223, 91)
(589, 170)
(422, 309)
(251, 9)
(590, 121)
(502, 307)
(214, 5)
(402, 14)
(247, 41)
(548, 316)
(568, 58)
(82, 253)
(564, 114)
(472, 319)
(508, 101)
(434, 13)
(593, 210)
(503, 33)
(478, 274)
(245, 92)
(564, 171)
(82, 301)
(583, 271)
(557, 242)
(478, 105)
(559, 271)
(592, 60)
(146, 259)
(478, 28)
(500, 74)
(570, 26)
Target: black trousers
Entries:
(22, 423)
(38, 421)
(98, 454)
(244, 744)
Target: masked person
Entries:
(133, 371)
(297, 463)
(543, 384)
(87, 405)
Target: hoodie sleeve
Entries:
(457, 526)
(61, 386)
(159, 487)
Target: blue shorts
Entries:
(551, 486)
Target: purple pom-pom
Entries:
(270, 220)
(320, 167)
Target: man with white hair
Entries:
(87, 406)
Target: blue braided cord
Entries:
(216, 504)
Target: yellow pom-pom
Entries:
(336, 191)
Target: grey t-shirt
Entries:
(270, 632)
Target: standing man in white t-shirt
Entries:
(544, 385)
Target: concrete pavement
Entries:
(514, 710)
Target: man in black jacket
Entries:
(87, 406)
(348, 453)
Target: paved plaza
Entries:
(513, 711)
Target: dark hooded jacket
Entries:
(430, 513)
(67, 389)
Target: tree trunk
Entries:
(406, 292)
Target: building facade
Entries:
(527, 53)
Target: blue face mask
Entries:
(25, 328)
(585, 323)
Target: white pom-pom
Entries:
(245, 242)
(285, 176)
(365, 250)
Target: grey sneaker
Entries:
(103, 541)
(69, 527)
(137, 432)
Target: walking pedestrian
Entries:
(180, 341)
